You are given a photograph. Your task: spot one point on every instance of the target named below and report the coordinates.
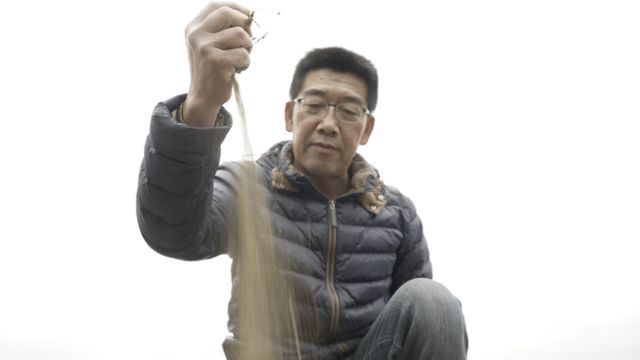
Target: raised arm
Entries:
(185, 200)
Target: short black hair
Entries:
(340, 60)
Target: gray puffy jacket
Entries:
(372, 235)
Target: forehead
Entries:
(334, 85)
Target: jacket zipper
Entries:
(331, 260)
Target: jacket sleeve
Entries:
(179, 213)
(413, 255)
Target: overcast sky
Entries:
(513, 125)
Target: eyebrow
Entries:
(348, 98)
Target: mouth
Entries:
(323, 146)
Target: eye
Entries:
(314, 106)
(351, 111)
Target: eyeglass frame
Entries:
(366, 114)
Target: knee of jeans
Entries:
(429, 296)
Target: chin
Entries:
(319, 169)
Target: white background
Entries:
(513, 125)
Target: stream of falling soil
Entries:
(267, 317)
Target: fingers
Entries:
(211, 7)
(230, 38)
(227, 48)
(237, 58)
(221, 17)
(224, 28)
(226, 17)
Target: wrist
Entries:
(198, 113)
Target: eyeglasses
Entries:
(317, 108)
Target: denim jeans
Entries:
(422, 320)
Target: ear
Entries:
(288, 116)
(368, 129)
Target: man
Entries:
(355, 245)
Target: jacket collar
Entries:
(365, 182)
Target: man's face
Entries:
(323, 147)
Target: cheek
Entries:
(353, 136)
(302, 129)
(301, 133)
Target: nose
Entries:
(329, 122)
